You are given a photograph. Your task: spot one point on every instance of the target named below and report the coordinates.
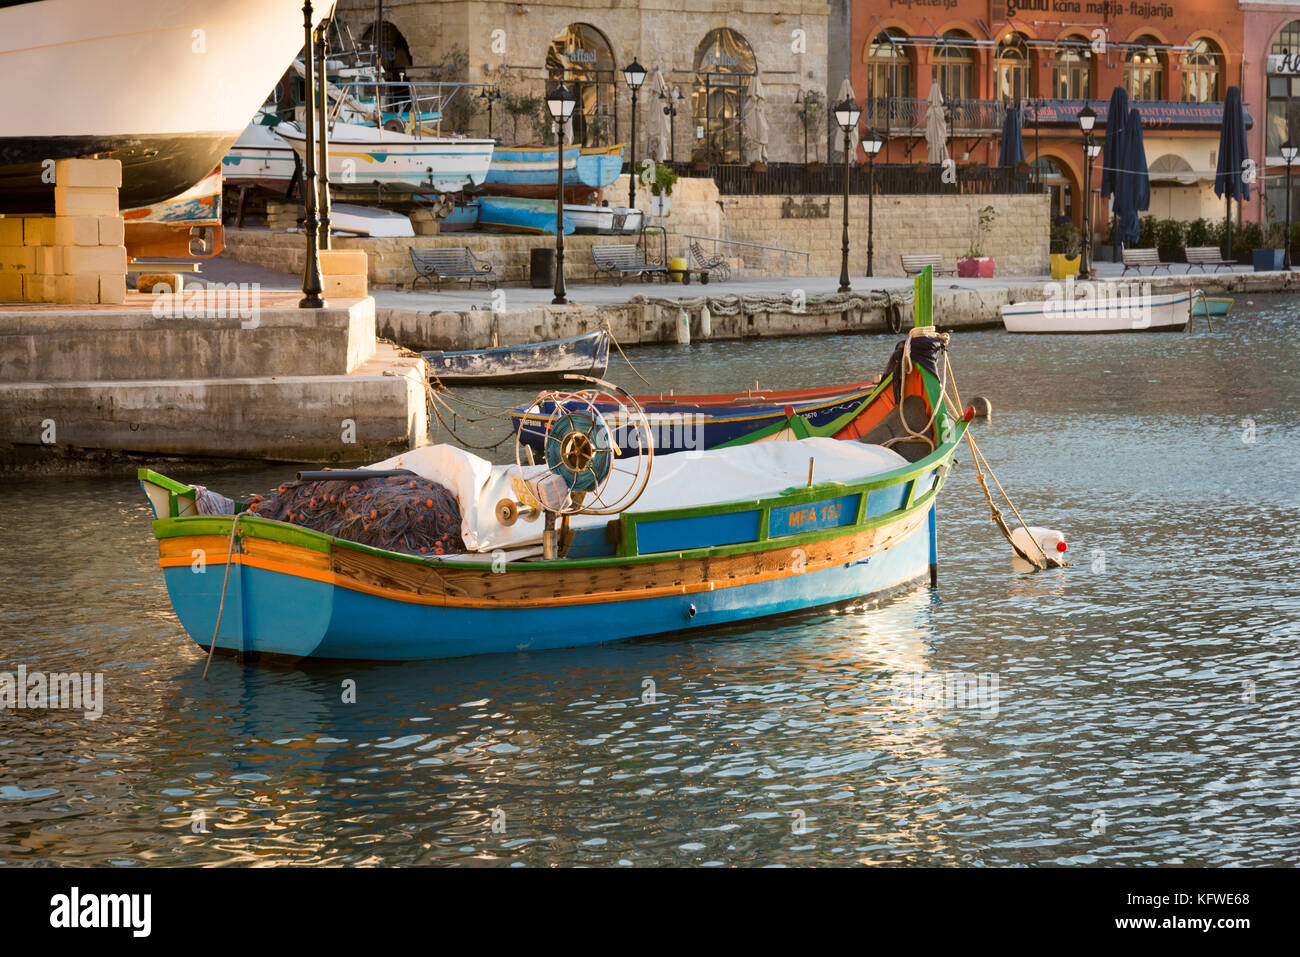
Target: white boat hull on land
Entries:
(362, 156)
(163, 85)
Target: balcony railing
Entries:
(789, 179)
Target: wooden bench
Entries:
(708, 265)
(914, 263)
(1140, 258)
(622, 259)
(1206, 256)
(438, 265)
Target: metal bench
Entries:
(914, 263)
(1141, 258)
(438, 265)
(1206, 256)
(622, 259)
(708, 265)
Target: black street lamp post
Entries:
(312, 282)
(560, 104)
(1289, 152)
(670, 111)
(1087, 119)
(871, 145)
(322, 99)
(634, 74)
(846, 115)
(491, 94)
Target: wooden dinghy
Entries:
(1211, 306)
(1164, 312)
(538, 362)
(727, 536)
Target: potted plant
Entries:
(1065, 250)
(660, 180)
(975, 264)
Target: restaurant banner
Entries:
(1158, 114)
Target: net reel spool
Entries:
(587, 469)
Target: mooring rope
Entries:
(221, 607)
(614, 339)
(981, 464)
(826, 304)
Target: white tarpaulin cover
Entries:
(681, 480)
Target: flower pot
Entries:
(1063, 265)
(1268, 260)
(975, 268)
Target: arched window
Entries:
(1013, 71)
(889, 68)
(724, 64)
(1072, 70)
(954, 66)
(1201, 70)
(1283, 121)
(1288, 39)
(1143, 72)
(581, 57)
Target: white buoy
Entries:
(1049, 540)
(706, 322)
(683, 328)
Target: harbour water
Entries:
(1136, 707)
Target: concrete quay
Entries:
(94, 388)
(459, 318)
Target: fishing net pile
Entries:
(400, 513)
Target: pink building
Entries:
(1270, 87)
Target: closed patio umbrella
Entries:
(1116, 118)
(936, 127)
(1132, 181)
(760, 131)
(846, 93)
(660, 131)
(1229, 178)
(1013, 147)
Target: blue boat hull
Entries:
(271, 613)
(525, 215)
(536, 167)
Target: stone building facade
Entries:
(709, 52)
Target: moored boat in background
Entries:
(1135, 312)
(548, 361)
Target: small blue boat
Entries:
(520, 214)
(548, 361)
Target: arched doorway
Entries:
(724, 64)
(394, 58)
(582, 58)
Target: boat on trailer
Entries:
(537, 362)
(727, 536)
(362, 157)
(1107, 308)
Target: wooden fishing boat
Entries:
(1114, 309)
(259, 158)
(608, 220)
(726, 536)
(520, 215)
(548, 361)
(594, 167)
(1210, 306)
(695, 422)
